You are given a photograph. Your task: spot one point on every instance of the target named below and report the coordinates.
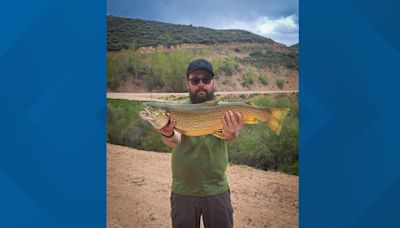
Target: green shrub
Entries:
(272, 58)
(153, 142)
(263, 79)
(125, 127)
(292, 169)
(115, 71)
(257, 146)
(262, 101)
(248, 79)
(280, 83)
(229, 66)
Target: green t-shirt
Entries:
(199, 165)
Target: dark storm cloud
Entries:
(276, 19)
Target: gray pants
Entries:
(216, 210)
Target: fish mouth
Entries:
(150, 114)
(146, 114)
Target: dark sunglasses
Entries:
(196, 81)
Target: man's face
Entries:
(200, 86)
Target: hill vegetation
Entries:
(237, 67)
(152, 56)
(125, 32)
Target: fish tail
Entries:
(277, 117)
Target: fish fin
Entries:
(219, 134)
(250, 121)
(277, 116)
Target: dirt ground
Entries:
(139, 188)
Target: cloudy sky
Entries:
(275, 19)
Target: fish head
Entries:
(155, 116)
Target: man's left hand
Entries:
(233, 122)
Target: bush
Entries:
(125, 127)
(248, 79)
(280, 83)
(229, 66)
(257, 146)
(263, 79)
(272, 58)
(292, 169)
(115, 71)
(262, 101)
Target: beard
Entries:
(195, 99)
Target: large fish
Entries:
(204, 119)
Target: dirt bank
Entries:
(139, 183)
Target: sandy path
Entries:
(159, 96)
(139, 183)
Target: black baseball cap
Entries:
(200, 64)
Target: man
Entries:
(199, 186)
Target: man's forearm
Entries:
(172, 141)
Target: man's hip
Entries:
(216, 210)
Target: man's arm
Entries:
(170, 137)
(233, 122)
(173, 140)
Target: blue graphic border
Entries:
(53, 89)
(349, 147)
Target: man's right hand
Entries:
(168, 130)
(170, 137)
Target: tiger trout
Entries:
(204, 119)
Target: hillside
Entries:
(295, 47)
(123, 32)
(150, 56)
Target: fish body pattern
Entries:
(204, 119)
